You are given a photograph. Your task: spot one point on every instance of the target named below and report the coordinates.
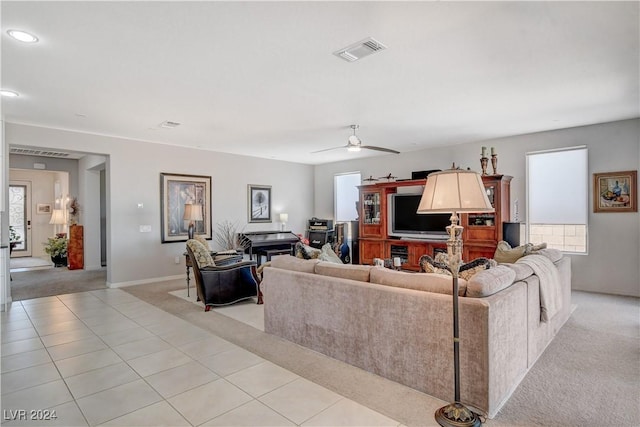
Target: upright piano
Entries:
(265, 241)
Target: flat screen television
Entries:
(403, 221)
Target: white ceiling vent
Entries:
(42, 153)
(168, 124)
(360, 49)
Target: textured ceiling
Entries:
(260, 79)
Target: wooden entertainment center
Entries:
(481, 234)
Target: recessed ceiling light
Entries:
(9, 93)
(22, 36)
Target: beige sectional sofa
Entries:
(399, 325)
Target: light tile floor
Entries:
(107, 358)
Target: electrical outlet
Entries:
(176, 260)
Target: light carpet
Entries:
(37, 283)
(247, 311)
(29, 262)
(588, 376)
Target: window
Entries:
(557, 198)
(345, 188)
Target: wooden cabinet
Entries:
(75, 247)
(370, 249)
(482, 232)
(372, 221)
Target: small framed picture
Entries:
(259, 203)
(43, 208)
(615, 191)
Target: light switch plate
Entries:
(145, 229)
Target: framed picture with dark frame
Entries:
(259, 203)
(615, 191)
(177, 190)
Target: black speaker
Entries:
(513, 233)
(318, 238)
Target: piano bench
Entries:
(268, 253)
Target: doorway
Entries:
(20, 218)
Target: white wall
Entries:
(133, 177)
(89, 168)
(614, 238)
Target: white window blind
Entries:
(557, 198)
(558, 186)
(346, 196)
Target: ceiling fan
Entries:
(355, 144)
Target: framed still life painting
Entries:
(176, 191)
(615, 191)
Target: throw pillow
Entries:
(327, 254)
(466, 271)
(429, 265)
(306, 252)
(470, 269)
(202, 240)
(202, 255)
(505, 253)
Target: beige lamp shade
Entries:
(58, 217)
(192, 212)
(454, 190)
(284, 217)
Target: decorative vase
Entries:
(59, 260)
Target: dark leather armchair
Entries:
(225, 284)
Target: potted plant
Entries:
(57, 248)
(14, 238)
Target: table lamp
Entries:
(192, 213)
(58, 217)
(283, 219)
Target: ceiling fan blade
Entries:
(386, 150)
(328, 149)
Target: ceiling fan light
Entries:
(22, 36)
(353, 148)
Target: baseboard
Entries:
(145, 281)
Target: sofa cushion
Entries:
(522, 270)
(491, 281)
(288, 262)
(345, 271)
(429, 282)
(327, 254)
(202, 254)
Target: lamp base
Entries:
(191, 230)
(457, 415)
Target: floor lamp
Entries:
(455, 191)
(192, 213)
